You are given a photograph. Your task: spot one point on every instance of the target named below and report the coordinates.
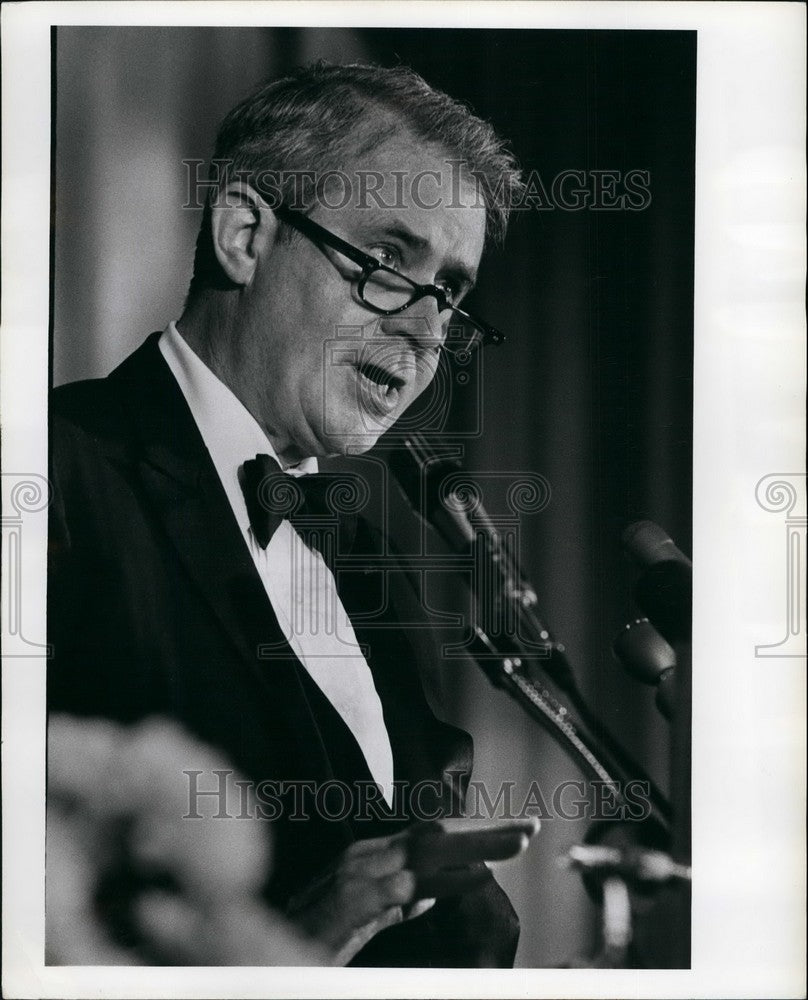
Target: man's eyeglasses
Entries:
(387, 291)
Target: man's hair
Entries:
(320, 116)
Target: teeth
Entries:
(384, 386)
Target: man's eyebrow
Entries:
(400, 230)
(457, 269)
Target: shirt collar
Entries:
(230, 432)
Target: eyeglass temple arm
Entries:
(311, 228)
(490, 333)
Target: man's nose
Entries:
(421, 324)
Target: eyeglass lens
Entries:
(386, 290)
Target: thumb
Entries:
(418, 908)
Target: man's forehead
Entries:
(415, 190)
(391, 165)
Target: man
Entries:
(348, 199)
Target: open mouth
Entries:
(379, 387)
(380, 379)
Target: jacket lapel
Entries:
(182, 488)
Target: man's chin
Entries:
(353, 444)
(349, 435)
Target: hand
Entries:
(364, 891)
(377, 883)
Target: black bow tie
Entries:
(315, 505)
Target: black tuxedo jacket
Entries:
(155, 606)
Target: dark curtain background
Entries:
(592, 389)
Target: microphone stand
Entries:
(523, 660)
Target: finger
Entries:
(359, 848)
(379, 863)
(418, 908)
(429, 852)
(375, 857)
(367, 899)
(360, 937)
(397, 889)
(465, 825)
(387, 919)
(451, 882)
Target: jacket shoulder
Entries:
(85, 417)
(98, 407)
(77, 402)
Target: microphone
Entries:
(419, 481)
(664, 591)
(649, 659)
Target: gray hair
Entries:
(318, 116)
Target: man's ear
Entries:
(242, 229)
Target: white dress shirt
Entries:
(297, 581)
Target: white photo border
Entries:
(749, 393)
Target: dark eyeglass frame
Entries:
(369, 264)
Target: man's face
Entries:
(321, 371)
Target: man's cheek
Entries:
(424, 377)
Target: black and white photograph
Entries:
(374, 527)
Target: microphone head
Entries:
(643, 651)
(664, 590)
(649, 544)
